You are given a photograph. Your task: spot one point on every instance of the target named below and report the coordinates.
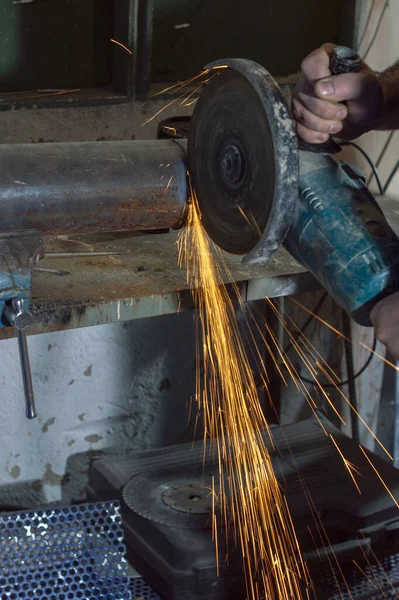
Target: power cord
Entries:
(372, 165)
(377, 29)
(392, 175)
(347, 381)
(366, 25)
(302, 331)
(294, 338)
(382, 154)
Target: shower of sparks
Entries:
(122, 46)
(332, 378)
(322, 366)
(178, 86)
(251, 503)
(248, 501)
(184, 97)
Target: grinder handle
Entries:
(343, 60)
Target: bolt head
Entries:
(23, 320)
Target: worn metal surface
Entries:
(87, 187)
(144, 280)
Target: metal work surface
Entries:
(144, 280)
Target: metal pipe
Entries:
(92, 186)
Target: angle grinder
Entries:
(259, 187)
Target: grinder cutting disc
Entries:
(243, 160)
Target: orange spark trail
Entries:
(379, 476)
(122, 46)
(252, 505)
(349, 466)
(178, 86)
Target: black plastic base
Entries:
(174, 551)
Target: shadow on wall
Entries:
(21, 495)
(122, 386)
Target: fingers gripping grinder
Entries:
(247, 170)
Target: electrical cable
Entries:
(370, 162)
(342, 383)
(366, 25)
(381, 156)
(390, 178)
(377, 29)
(294, 338)
(302, 330)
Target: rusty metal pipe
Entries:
(92, 186)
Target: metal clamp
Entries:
(19, 253)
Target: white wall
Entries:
(384, 51)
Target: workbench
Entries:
(144, 279)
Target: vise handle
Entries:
(20, 318)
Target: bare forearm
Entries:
(390, 83)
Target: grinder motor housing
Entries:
(317, 207)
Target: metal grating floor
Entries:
(77, 552)
(140, 590)
(70, 553)
(377, 580)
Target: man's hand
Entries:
(349, 104)
(385, 318)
